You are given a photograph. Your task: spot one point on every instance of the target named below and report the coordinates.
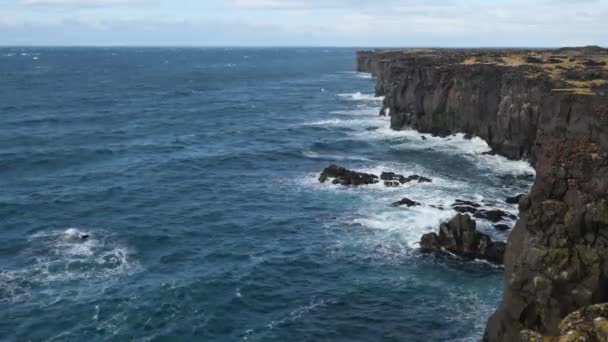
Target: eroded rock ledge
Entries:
(549, 107)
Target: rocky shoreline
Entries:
(549, 107)
(459, 237)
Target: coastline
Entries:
(548, 107)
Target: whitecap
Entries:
(59, 257)
(358, 96)
(364, 75)
(315, 155)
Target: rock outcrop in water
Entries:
(340, 175)
(461, 237)
(549, 107)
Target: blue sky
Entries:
(304, 22)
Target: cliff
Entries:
(549, 107)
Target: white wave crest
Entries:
(60, 257)
(358, 96)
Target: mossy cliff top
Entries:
(582, 71)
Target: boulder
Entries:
(514, 199)
(418, 178)
(406, 202)
(346, 177)
(460, 236)
(494, 215)
(465, 207)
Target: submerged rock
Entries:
(346, 177)
(406, 202)
(460, 236)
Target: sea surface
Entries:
(194, 174)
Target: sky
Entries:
(371, 23)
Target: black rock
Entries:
(346, 177)
(390, 176)
(406, 202)
(463, 209)
(392, 184)
(418, 178)
(460, 202)
(502, 227)
(461, 237)
(494, 215)
(514, 199)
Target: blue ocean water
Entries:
(194, 173)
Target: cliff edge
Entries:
(549, 107)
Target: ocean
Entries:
(193, 172)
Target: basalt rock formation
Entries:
(461, 237)
(589, 324)
(346, 177)
(549, 107)
(340, 175)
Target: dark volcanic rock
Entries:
(420, 179)
(514, 199)
(406, 202)
(460, 237)
(391, 176)
(495, 215)
(343, 176)
(502, 227)
(392, 184)
(464, 207)
(556, 260)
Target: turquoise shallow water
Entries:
(194, 173)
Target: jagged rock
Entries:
(392, 184)
(388, 176)
(460, 236)
(495, 215)
(589, 324)
(346, 177)
(557, 255)
(514, 199)
(466, 203)
(465, 207)
(421, 179)
(406, 202)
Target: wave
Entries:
(63, 257)
(365, 123)
(358, 96)
(364, 75)
(331, 157)
(473, 149)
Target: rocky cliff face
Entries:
(548, 107)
